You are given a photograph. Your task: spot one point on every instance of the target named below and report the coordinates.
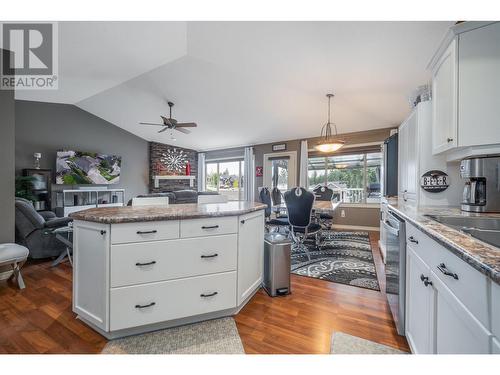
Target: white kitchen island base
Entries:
(140, 276)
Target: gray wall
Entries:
(7, 168)
(49, 127)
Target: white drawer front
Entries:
(209, 227)
(144, 231)
(139, 263)
(470, 286)
(152, 303)
(495, 309)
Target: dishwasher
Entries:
(395, 268)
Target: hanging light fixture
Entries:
(329, 143)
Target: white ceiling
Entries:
(243, 82)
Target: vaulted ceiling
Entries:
(242, 82)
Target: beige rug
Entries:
(219, 336)
(342, 343)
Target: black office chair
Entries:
(324, 193)
(265, 197)
(299, 205)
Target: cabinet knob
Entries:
(449, 140)
(425, 280)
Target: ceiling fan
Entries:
(171, 123)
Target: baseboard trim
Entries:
(356, 227)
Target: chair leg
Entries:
(18, 276)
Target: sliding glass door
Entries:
(226, 178)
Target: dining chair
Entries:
(324, 193)
(299, 205)
(265, 197)
(276, 198)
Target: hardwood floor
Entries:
(304, 321)
(39, 319)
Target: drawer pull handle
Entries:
(209, 256)
(425, 280)
(209, 295)
(145, 306)
(412, 239)
(242, 221)
(210, 227)
(146, 264)
(103, 232)
(443, 269)
(147, 231)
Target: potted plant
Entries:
(24, 187)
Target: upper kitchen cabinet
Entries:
(465, 81)
(444, 107)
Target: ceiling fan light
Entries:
(330, 146)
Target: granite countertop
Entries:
(480, 255)
(129, 214)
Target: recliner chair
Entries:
(34, 230)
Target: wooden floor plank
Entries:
(39, 319)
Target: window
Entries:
(226, 178)
(353, 178)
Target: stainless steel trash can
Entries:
(277, 248)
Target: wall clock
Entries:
(174, 160)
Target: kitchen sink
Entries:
(486, 229)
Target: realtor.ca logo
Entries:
(29, 58)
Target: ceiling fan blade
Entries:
(162, 130)
(186, 125)
(151, 123)
(182, 130)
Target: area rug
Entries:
(219, 336)
(342, 343)
(342, 257)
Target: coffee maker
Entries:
(482, 184)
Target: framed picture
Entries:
(279, 147)
(259, 171)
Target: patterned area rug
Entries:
(219, 336)
(342, 343)
(342, 257)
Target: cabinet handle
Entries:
(103, 232)
(242, 221)
(412, 239)
(145, 264)
(145, 306)
(210, 227)
(209, 295)
(449, 140)
(209, 256)
(147, 231)
(404, 195)
(443, 269)
(425, 280)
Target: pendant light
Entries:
(329, 143)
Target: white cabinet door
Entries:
(457, 330)
(250, 254)
(444, 101)
(479, 77)
(412, 156)
(91, 243)
(495, 346)
(419, 305)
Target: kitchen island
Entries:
(139, 269)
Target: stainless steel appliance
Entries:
(482, 184)
(395, 268)
(277, 248)
(389, 168)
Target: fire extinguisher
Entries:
(188, 169)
